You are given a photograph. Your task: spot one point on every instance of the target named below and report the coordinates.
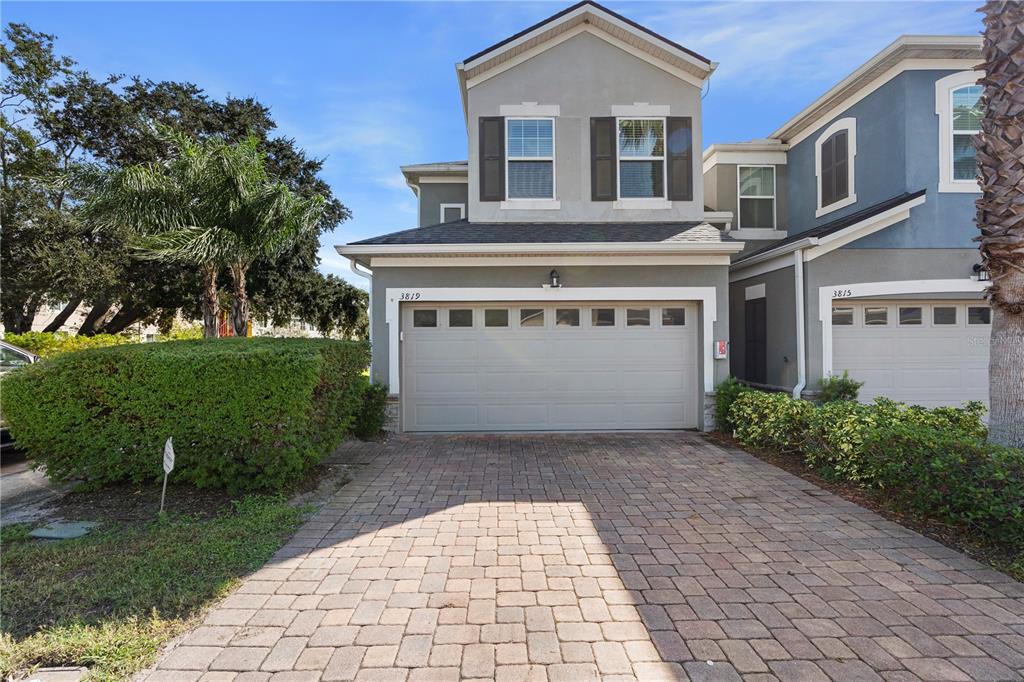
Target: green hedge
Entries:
(936, 461)
(725, 395)
(245, 414)
(49, 344)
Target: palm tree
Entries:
(1000, 212)
(211, 206)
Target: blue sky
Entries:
(371, 86)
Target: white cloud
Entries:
(774, 42)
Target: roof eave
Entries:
(619, 248)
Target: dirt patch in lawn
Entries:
(955, 537)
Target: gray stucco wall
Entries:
(433, 194)
(532, 276)
(897, 151)
(853, 266)
(585, 76)
(781, 315)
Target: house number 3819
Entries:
(409, 296)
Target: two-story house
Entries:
(565, 276)
(866, 200)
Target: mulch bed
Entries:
(139, 503)
(960, 539)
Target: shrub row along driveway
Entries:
(560, 557)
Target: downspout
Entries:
(801, 350)
(368, 274)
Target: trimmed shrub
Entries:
(837, 431)
(372, 415)
(48, 344)
(934, 462)
(725, 395)
(244, 413)
(771, 420)
(950, 475)
(835, 388)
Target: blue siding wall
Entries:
(897, 151)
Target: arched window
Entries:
(834, 153)
(958, 105)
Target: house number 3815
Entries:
(409, 296)
(841, 293)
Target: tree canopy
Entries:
(56, 119)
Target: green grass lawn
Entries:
(110, 599)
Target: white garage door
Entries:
(509, 367)
(928, 353)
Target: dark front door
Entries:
(756, 349)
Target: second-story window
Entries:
(756, 196)
(834, 153)
(641, 158)
(966, 124)
(530, 145)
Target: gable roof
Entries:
(599, 20)
(560, 16)
(832, 227)
(905, 53)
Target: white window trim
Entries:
(510, 201)
(944, 88)
(740, 197)
(661, 202)
(706, 296)
(841, 292)
(461, 207)
(848, 124)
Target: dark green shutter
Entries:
(492, 158)
(679, 154)
(603, 147)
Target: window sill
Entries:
(842, 203)
(642, 204)
(754, 233)
(959, 186)
(531, 205)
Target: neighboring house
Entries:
(867, 197)
(566, 277)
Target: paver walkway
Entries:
(613, 556)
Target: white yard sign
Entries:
(168, 467)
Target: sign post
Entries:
(168, 467)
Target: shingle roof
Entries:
(465, 232)
(838, 224)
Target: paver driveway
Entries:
(632, 556)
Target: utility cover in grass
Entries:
(63, 530)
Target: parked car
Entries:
(11, 358)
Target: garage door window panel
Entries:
(979, 315)
(638, 317)
(910, 316)
(602, 317)
(424, 318)
(459, 318)
(943, 315)
(842, 316)
(531, 317)
(876, 316)
(496, 317)
(673, 317)
(567, 317)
